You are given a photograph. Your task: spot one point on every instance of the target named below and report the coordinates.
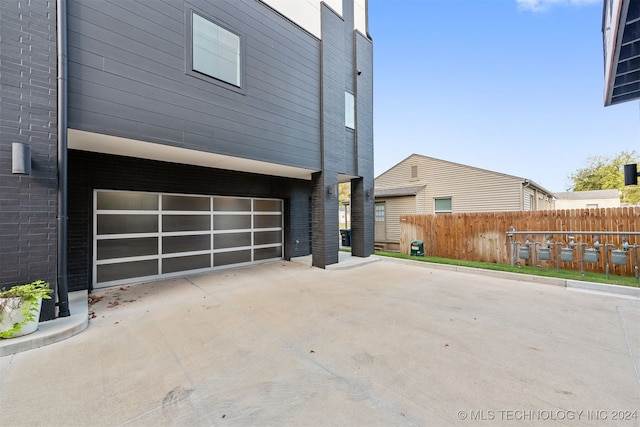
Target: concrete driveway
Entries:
(381, 344)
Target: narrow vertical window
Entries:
(215, 51)
(349, 111)
(379, 213)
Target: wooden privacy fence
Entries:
(483, 236)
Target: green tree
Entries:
(607, 173)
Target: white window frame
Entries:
(380, 217)
(435, 210)
(349, 110)
(191, 68)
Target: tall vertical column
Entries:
(325, 228)
(28, 116)
(362, 189)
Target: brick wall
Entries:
(89, 171)
(28, 115)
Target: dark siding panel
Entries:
(127, 78)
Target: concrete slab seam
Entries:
(626, 340)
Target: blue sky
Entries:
(513, 86)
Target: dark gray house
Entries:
(150, 138)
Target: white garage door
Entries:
(140, 236)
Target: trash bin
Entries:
(345, 235)
(417, 248)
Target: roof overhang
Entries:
(397, 192)
(621, 45)
(107, 144)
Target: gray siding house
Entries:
(426, 185)
(168, 137)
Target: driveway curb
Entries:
(615, 290)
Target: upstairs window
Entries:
(349, 110)
(442, 205)
(215, 51)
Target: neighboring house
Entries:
(425, 185)
(149, 139)
(621, 37)
(588, 199)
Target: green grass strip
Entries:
(525, 269)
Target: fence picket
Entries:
(483, 236)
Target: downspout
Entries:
(61, 37)
(525, 184)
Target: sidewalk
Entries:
(382, 344)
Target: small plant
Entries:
(26, 299)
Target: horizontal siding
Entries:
(471, 189)
(395, 207)
(127, 78)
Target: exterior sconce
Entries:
(330, 189)
(21, 158)
(631, 174)
(369, 194)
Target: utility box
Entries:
(591, 255)
(619, 257)
(345, 235)
(417, 248)
(544, 254)
(566, 254)
(524, 252)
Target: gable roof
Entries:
(590, 194)
(420, 156)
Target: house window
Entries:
(592, 206)
(215, 51)
(442, 205)
(379, 212)
(414, 172)
(349, 110)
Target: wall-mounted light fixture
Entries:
(329, 189)
(369, 194)
(631, 174)
(21, 158)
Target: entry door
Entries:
(381, 224)
(140, 236)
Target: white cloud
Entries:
(543, 5)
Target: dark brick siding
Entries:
(89, 171)
(28, 203)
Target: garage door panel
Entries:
(172, 223)
(221, 204)
(127, 224)
(185, 263)
(267, 237)
(235, 257)
(176, 244)
(185, 203)
(232, 222)
(268, 253)
(267, 221)
(231, 240)
(141, 235)
(123, 248)
(121, 200)
(127, 270)
(267, 206)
